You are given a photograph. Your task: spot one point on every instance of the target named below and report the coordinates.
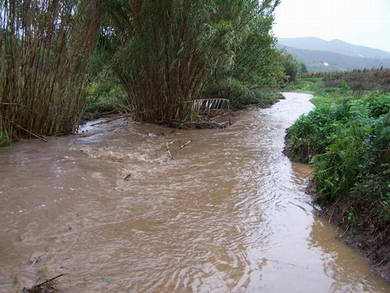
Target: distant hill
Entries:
(321, 55)
(334, 46)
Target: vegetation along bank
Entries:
(346, 138)
(74, 60)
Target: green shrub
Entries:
(291, 67)
(312, 133)
(241, 95)
(306, 84)
(379, 106)
(103, 97)
(373, 183)
(337, 168)
(348, 142)
(4, 138)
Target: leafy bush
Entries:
(373, 183)
(348, 142)
(251, 71)
(103, 96)
(4, 138)
(241, 95)
(292, 68)
(337, 168)
(313, 133)
(379, 106)
(306, 84)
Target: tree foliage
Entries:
(293, 69)
(165, 53)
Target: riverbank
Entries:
(346, 140)
(370, 237)
(207, 113)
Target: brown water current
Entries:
(222, 211)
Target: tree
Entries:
(166, 52)
(292, 67)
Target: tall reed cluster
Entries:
(166, 52)
(161, 59)
(44, 47)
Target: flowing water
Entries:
(221, 211)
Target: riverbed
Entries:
(131, 207)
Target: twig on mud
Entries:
(333, 208)
(184, 145)
(169, 152)
(50, 280)
(40, 287)
(30, 132)
(331, 216)
(346, 230)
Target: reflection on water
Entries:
(113, 211)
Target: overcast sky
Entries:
(361, 22)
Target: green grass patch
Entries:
(307, 84)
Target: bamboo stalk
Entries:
(45, 45)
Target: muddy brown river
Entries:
(221, 211)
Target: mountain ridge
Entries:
(335, 46)
(334, 55)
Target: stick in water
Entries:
(30, 132)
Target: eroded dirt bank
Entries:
(222, 210)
